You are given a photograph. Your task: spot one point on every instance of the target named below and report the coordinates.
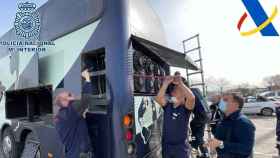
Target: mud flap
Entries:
(30, 149)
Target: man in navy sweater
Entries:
(177, 101)
(235, 134)
(71, 124)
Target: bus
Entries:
(123, 44)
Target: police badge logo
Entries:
(27, 21)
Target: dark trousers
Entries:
(278, 123)
(278, 129)
(198, 134)
(175, 151)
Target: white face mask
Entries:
(173, 100)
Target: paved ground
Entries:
(265, 136)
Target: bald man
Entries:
(70, 122)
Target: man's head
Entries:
(233, 102)
(215, 99)
(177, 78)
(63, 99)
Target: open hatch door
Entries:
(171, 57)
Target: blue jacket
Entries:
(238, 134)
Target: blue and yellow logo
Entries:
(261, 19)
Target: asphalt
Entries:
(265, 137)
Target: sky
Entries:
(226, 54)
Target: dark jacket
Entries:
(72, 127)
(238, 134)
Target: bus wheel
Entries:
(8, 144)
(32, 138)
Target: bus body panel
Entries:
(108, 24)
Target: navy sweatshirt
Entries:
(238, 134)
(72, 128)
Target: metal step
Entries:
(198, 84)
(191, 50)
(195, 49)
(193, 73)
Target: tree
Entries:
(217, 84)
(272, 82)
(246, 89)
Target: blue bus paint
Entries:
(113, 33)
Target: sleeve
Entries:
(245, 143)
(87, 88)
(81, 105)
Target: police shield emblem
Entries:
(27, 21)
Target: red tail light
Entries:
(129, 135)
(128, 124)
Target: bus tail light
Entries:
(130, 149)
(128, 124)
(129, 135)
(127, 120)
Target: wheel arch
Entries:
(24, 134)
(4, 126)
(264, 108)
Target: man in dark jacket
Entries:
(235, 134)
(278, 128)
(201, 114)
(70, 122)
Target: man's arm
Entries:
(87, 87)
(160, 98)
(86, 93)
(190, 98)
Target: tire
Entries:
(267, 112)
(32, 137)
(9, 146)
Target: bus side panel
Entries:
(99, 126)
(113, 34)
(148, 123)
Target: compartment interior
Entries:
(29, 103)
(95, 62)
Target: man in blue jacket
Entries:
(70, 121)
(278, 129)
(235, 134)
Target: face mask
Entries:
(172, 100)
(222, 105)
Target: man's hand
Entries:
(85, 113)
(168, 80)
(213, 144)
(160, 98)
(86, 75)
